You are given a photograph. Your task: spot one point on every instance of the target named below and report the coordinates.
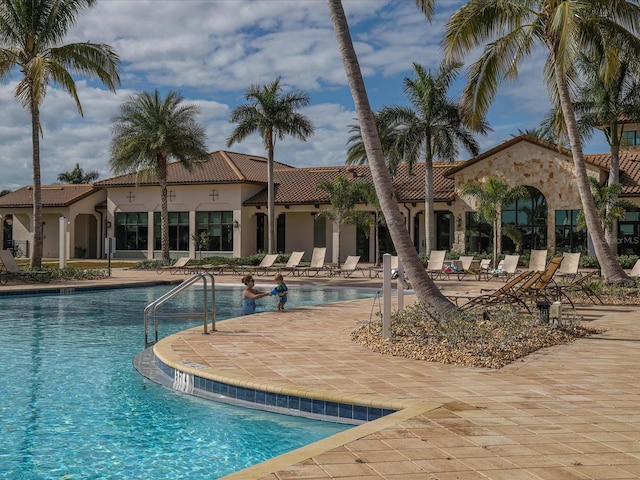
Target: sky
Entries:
(211, 51)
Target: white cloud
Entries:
(211, 51)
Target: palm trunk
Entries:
(611, 269)
(614, 177)
(426, 290)
(428, 207)
(164, 210)
(38, 238)
(271, 203)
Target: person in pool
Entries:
(250, 295)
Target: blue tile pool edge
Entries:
(153, 368)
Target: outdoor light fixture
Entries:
(236, 224)
(459, 221)
(108, 224)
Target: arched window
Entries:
(525, 223)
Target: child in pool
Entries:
(281, 291)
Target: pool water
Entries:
(73, 407)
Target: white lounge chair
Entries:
(317, 263)
(349, 266)
(506, 268)
(177, 267)
(376, 271)
(294, 261)
(260, 269)
(12, 270)
(436, 263)
(569, 267)
(538, 260)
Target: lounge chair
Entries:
(376, 271)
(579, 284)
(349, 266)
(261, 269)
(507, 268)
(538, 260)
(570, 266)
(460, 268)
(483, 269)
(436, 263)
(504, 294)
(294, 261)
(544, 283)
(177, 267)
(12, 270)
(317, 263)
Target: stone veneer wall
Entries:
(523, 164)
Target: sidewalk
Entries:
(568, 412)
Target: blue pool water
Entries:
(73, 407)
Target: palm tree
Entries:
(610, 207)
(149, 131)
(31, 32)
(273, 115)
(607, 103)
(431, 128)
(344, 197)
(77, 176)
(492, 196)
(426, 290)
(513, 29)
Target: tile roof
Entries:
(222, 167)
(297, 186)
(629, 169)
(52, 195)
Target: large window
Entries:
(477, 234)
(219, 225)
(568, 237)
(529, 217)
(631, 138)
(178, 231)
(629, 234)
(132, 229)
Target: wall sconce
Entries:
(458, 221)
(236, 224)
(108, 224)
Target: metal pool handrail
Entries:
(152, 308)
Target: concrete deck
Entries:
(567, 412)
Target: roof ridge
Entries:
(232, 165)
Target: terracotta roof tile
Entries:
(222, 167)
(629, 169)
(298, 186)
(52, 195)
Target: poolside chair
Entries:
(483, 269)
(542, 288)
(507, 268)
(177, 267)
(376, 271)
(538, 260)
(12, 270)
(436, 263)
(349, 266)
(504, 294)
(579, 284)
(570, 266)
(294, 261)
(261, 269)
(317, 263)
(460, 268)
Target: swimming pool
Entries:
(73, 407)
